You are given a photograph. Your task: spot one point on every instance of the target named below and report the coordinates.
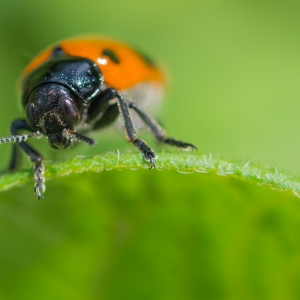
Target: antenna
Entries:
(79, 137)
(19, 138)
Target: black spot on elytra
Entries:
(57, 51)
(112, 55)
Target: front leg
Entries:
(35, 157)
(107, 112)
(100, 104)
(130, 132)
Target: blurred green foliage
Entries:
(233, 70)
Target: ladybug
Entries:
(81, 85)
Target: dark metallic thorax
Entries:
(81, 76)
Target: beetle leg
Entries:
(154, 127)
(101, 112)
(108, 117)
(109, 112)
(157, 130)
(148, 152)
(130, 132)
(35, 157)
(100, 104)
(16, 158)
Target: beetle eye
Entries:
(31, 116)
(70, 111)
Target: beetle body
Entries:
(122, 66)
(79, 85)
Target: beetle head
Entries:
(53, 110)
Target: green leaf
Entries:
(180, 231)
(185, 163)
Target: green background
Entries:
(233, 70)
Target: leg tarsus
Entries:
(176, 143)
(39, 179)
(148, 153)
